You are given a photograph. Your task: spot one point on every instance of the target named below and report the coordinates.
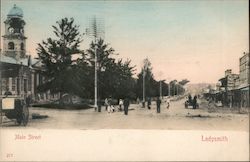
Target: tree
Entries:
(114, 77)
(151, 85)
(125, 82)
(165, 89)
(56, 55)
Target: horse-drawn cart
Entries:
(14, 108)
(190, 104)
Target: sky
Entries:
(193, 39)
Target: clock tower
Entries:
(14, 40)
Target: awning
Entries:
(245, 89)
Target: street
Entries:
(174, 118)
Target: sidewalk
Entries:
(212, 108)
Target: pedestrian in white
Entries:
(106, 104)
(168, 102)
(120, 104)
(110, 109)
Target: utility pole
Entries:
(143, 89)
(174, 89)
(177, 89)
(95, 75)
(161, 88)
(145, 66)
(169, 89)
(96, 31)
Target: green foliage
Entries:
(114, 76)
(151, 85)
(56, 55)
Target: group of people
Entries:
(158, 103)
(193, 101)
(123, 105)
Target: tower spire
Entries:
(14, 41)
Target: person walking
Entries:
(106, 104)
(149, 103)
(168, 102)
(99, 105)
(126, 105)
(120, 104)
(158, 103)
(194, 102)
(189, 99)
(138, 100)
(110, 106)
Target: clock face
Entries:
(11, 30)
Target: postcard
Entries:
(124, 80)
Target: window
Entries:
(13, 84)
(18, 85)
(11, 45)
(22, 46)
(29, 82)
(4, 82)
(25, 85)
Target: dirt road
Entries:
(174, 118)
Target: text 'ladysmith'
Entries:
(214, 138)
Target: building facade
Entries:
(244, 70)
(230, 81)
(233, 89)
(244, 79)
(15, 63)
(19, 74)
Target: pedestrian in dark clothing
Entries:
(194, 102)
(126, 105)
(99, 105)
(189, 99)
(158, 103)
(110, 106)
(149, 103)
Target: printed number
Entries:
(9, 155)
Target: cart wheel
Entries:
(25, 115)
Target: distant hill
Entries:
(196, 88)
